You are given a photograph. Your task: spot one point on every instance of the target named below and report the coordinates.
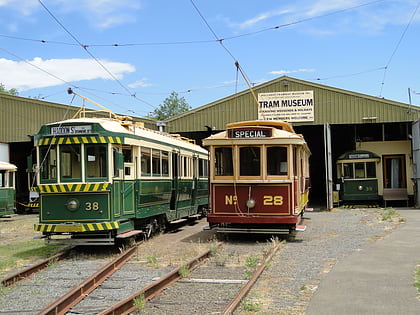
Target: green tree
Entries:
(3, 90)
(172, 105)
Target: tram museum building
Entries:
(365, 149)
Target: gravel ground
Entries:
(285, 288)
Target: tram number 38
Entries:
(92, 206)
(267, 200)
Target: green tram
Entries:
(356, 175)
(7, 188)
(105, 179)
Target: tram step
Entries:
(178, 221)
(300, 228)
(129, 234)
(194, 216)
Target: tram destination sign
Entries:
(291, 106)
(71, 130)
(241, 133)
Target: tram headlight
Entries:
(250, 203)
(73, 204)
(360, 187)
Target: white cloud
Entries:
(261, 17)
(101, 13)
(140, 83)
(283, 72)
(104, 13)
(23, 75)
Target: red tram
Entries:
(259, 178)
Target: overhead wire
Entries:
(200, 41)
(217, 39)
(85, 48)
(397, 46)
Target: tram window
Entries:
(117, 160)
(2, 179)
(277, 161)
(48, 156)
(96, 161)
(186, 162)
(370, 169)
(128, 157)
(224, 164)
(155, 162)
(145, 161)
(165, 163)
(249, 159)
(70, 164)
(359, 170)
(202, 168)
(348, 170)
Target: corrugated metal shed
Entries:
(20, 117)
(331, 105)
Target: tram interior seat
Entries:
(392, 194)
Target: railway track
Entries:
(130, 305)
(133, 279)
(29, 271)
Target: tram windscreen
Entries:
(70, 163)
(96, 161)
(223, 160)
(277, 161)
(48, 158)
(250, 161)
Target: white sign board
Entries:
(290, 106)
(69, 130)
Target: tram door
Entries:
(394, 171)
(175, 180)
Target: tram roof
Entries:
(7, 166)
(358, 155)
(133, 129)
(280, 131)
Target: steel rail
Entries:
(233, 305)
(80, 291)
(27, 272)
(155, 288)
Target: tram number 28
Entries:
(267, 200)
(273, 200)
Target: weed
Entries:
(152, 260)
(184, 272)
(389, 215)
(251, 261)
(251, 306)
(248, 274)
(139, 302)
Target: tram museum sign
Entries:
(290, 106)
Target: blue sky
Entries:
(129, 55)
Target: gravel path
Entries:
(295, 272)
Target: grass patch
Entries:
(417, 278)
(18, 254)
(391, 215)
(251, 306)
